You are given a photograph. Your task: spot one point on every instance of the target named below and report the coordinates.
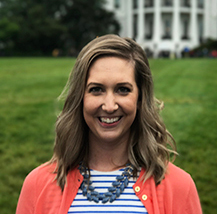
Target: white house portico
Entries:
(166, 25)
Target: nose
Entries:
(109, 104)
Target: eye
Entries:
(124, 90)
(95, 90)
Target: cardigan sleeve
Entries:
(185, 199)
(27, 196)
(193, 205)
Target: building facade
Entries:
(166, 26)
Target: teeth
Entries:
(109, 120)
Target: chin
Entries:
(111, 138)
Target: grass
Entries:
(28, 108)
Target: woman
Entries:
(110, 153)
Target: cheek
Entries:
(87, 110)
(90, 105)
(130, 106)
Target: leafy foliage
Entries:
(85, 24)
(8, 30)
(41, 26)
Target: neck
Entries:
(107, 156)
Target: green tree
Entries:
(39, 29)
(8, 31)
(45, 25)
(86, 20)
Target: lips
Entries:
(109, 120)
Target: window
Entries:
(167, 23)
(200, 3)
(185, 29)
(168, 28)
(200, 28)
(185, 26)
(135, 4)
(167, 3)
(186, 3)
(117, 4)
(149, 3)
(135, 28)
(149, 26)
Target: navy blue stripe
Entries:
(103, 205)
(109, 212)
(123, 193)
(96, 181)
(117, 170)
(104, 176)
(106, 187)
(118, 199)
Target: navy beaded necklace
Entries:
(113, 192)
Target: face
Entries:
(110, 99)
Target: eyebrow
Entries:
(125, 83)
(118, 84)
(94, 83)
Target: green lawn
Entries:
(28, 108)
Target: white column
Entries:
(194, 24)
(129, 18)
(157, 28)
(206, 19)
(141, 24)
(176, 27)
(214, 19)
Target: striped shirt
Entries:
(128, 202)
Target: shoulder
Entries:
(45, 169)
(176, 173)
(178, 179)
(41, 175)
(180, 186)
(37, 180)
(176, 193)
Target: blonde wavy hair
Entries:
(149, 139)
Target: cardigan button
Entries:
(144, 197)
(137, 189)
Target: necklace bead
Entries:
(114, 191)
(111, 189)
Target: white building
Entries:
(166, 25)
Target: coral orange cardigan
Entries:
(176, 194)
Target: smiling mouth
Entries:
(109, 120)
